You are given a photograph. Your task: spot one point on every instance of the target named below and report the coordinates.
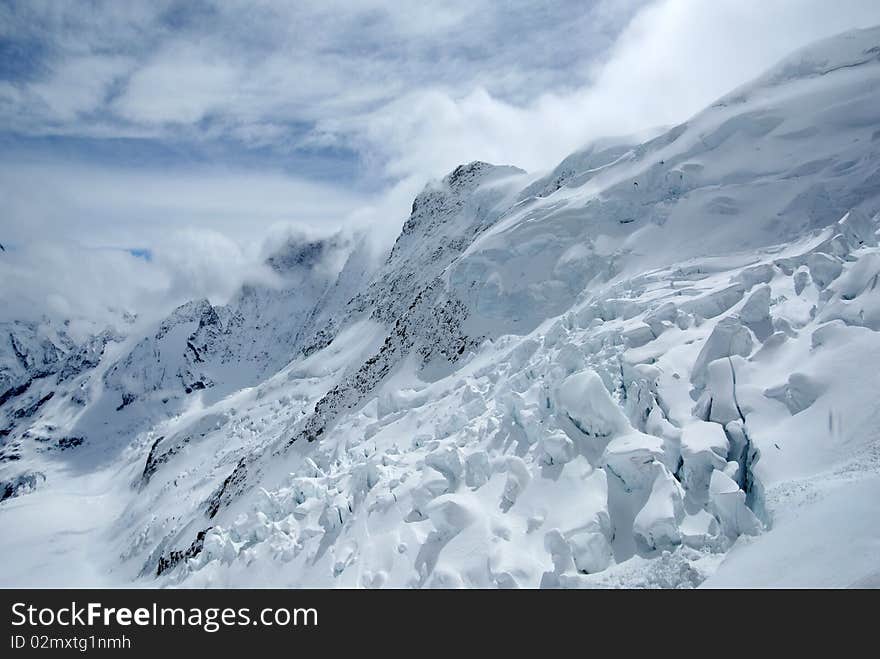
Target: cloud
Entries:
(191, 128)
(412, 88)
(65, 281)
(674, 58)
(244, 64)
(110, 206)
(70, 229)
(77, 85)
(180, 85)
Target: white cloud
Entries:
(412, 89)
(103, 205)
(78, 85)
(65, 281)
(673, 59)
(244, 64)
(67, 227)
(524, 82)
(180, 84)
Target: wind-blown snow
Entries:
(655, 366)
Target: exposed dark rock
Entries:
(157, 458)
(127, 399)
(20, 484)
(29, 411)
(69, 442)
(14, 391)
(232, 486)
(175, 556)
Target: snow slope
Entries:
(655, 366)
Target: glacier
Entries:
(654, 366)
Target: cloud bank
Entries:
(191, 128)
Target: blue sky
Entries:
(195, 128)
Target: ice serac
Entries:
(602, 376)
(694, 190)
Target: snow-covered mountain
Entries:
(654, 366)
